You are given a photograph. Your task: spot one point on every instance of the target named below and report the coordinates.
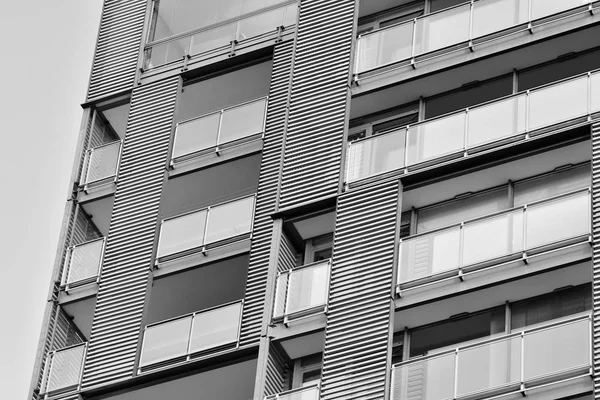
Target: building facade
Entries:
(399, 200)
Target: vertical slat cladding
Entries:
(596, 252)
(313, 146)
(266, 196)
(121, 295)
(275, 375)
(118, 47)
(356, 337)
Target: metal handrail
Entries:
(68, 260)
(88, 160)
(48, 367)
(278, 396)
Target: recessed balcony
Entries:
(303, 393)
(63, 370)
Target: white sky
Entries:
(46, 50)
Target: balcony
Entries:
(225, 227)
(100, 166)
(191, 336)
(83, 263)
(472, 131)
(219, 136)
(63, 370)
(303, 393)
(302, 292)
(515, 363)
(494, 240)
(466, 26)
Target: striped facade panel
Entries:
(286, 259)
(313, 145)
(358, 319)
(277, 372)
(118, 47)
(596, 252)
(254, 300)
(121, 293)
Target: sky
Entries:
(46, 52)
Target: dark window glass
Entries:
(395, 123)
(437, 5)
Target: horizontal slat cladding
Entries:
(121, 295)
(313, 146)
(358, 318)
(596, 251)
(118, 47)
(275, 375)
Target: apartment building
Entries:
(332, 199)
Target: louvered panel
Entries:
(121, 294)
(254, 301)
(118, 47)
(313, 147)
(358, 318)
(276, 372)
(286, 259)
(596, 251)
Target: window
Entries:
(318, 249)
(390, 17)
(307, 370)
(383, 123)
(555, 183)
(436, 5)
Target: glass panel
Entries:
(163, 19)
(260, 24)
(195, 135)
(65, 368)
(497, 15)
(242, 121)
(385, 47)
(182, 233)
(307, 288)
(427, 255)
(494, 237)
(229, 9)
(558, 220)
(307, 394)
(280, 295)
(85, 261)
(430, 379)
(489, 366)
(436, 138)
(558, 103)
(544, 8)
(377, 155)
(291, 15)
(498, 120)
(541, 188)
(444, 29)
(595, 105)
(215, 328)
(213, 39)
(166, 341)
(230, 220)
(565, 352)
(103, 162)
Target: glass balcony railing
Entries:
(303, 393)
(228, 34)
(475, 129)
(100, 164)
(506, 236)
(180, 339)
(207, 228)
(511, 363)
(229, 126)
(63, 369)
(83, 263)
(302, 291)
(456, 28)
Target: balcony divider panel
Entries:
(129, 247)
(356, 350)
(266, 196)
(117, 47)
(318, 101)
(596, 253)
(276, 372)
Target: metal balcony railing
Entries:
(224, 35)
(229, 126)
(302, 291)
(101, 165)
(488, 241)
(303, 393)
(200, 230)
(179, 339)
(475, 129)
(83, 263)
(512, 363)
(63, 369)
(464, 26)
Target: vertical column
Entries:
(355, 359)
(121, 294)
(596, 252)
(117, 48)
(318, 104)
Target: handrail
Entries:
(49, 372)
(191, 314)
(88, 158)
(277, 396)
(69, 262)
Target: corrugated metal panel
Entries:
(266, 196)
(358, 319)
(313, 146)
(118, 47)
(121, 294)
(596, 251)
(277, 372)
